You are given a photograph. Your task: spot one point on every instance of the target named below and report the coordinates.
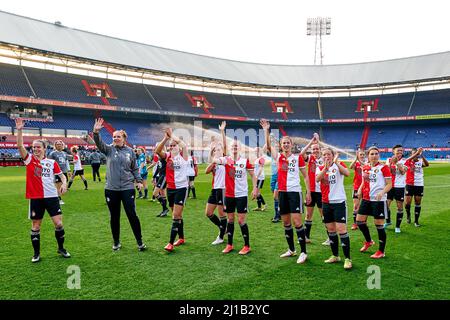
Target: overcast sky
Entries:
(260, 30)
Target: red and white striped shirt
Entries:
(218, 181)
(357, 179)
(176, 172)
(288, 172)
(192, 163)
(155, 160)
(77, 163)
(374, 180)
(398, 179)
(414, 175)
(332, 184)
(41, 177)
(236, 184)
(259, 163)
(313, 164)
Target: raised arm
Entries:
(212, 164)
(180, 143)
(103, 147)
(353, 164)
(315, 139)
(425, 161)
(160, 147)
(343, 170)
(222, 127)
(19, 126)
(413, 155)
(266, 127)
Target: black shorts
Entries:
(355, 194)
(78, 173)
(217, 197)
(259, 184)
(236, 204)
(290, 202)
(377, 209)
(397, 194)
(58, 179)
(335, 212)
(38, 206)
(316, 199)
(177, 196)
(414, 191)
(191, 178)
(161, 183)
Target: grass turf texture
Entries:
(415, 267)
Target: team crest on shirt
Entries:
(376, 171)
(333, 171)
(241, 165)
(48, 165)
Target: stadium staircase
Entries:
(365, 136)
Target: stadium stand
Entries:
(13, 81)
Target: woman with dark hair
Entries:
(331, 177)
(121, 174)
(373, 191)
(41, 190)
(290, 191)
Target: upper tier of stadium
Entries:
(57, 39)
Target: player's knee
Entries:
(36, 224)
(341, 228)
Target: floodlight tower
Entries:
(318, 27)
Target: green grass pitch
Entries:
(416, 264)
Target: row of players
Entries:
(229, 193)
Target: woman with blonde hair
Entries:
(121, 174)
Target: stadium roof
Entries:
(58, 39)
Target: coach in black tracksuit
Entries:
(121, 174)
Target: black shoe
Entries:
(64, 253)
(36, 258)
(85, 188)
(145, 197)
(275, 220)
(116, 246)
(142, 247)
(164, 213)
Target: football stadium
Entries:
(56, 82)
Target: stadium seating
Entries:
(13, 81)
(59, 86)
(68, 87)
